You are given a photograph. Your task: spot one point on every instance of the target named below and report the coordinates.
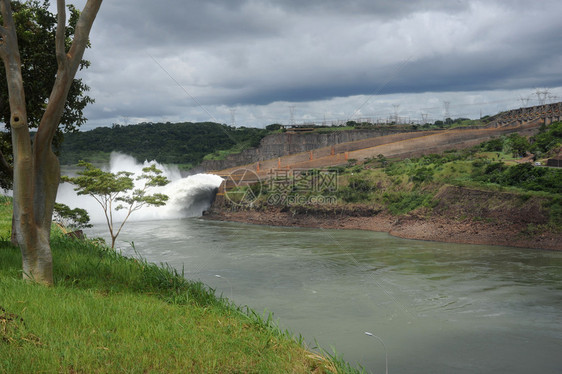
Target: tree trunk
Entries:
(36, 169)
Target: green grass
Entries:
(5, 216)
(108, 313)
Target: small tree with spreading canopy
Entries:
(36, 170)
(116, 191)
(75, 219)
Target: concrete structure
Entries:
(546, 114)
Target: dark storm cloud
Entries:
(157, 24)
(170, 56)
(194, 22)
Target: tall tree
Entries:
(36, 167)
(36, 29)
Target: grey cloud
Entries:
(254, 53)
(380, 8)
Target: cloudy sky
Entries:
(261, 60)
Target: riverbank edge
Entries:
(417, 225)
(131, 298)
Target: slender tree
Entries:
(36, 167)
(116, 191)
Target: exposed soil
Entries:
(462, 215)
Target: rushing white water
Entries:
(188, 196)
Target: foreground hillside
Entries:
(108, 314)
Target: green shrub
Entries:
(423, 174)
(357, 183)
(358, 189)
(519, 145)
(524, 176)
(493, 145)
(404, 202)
(548, 138)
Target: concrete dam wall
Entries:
(283, 144)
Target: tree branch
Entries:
(12, 63)
(6, 11)
(60, 34)
(82, 31)
(5, 6)
(66, 72)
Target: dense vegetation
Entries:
(171, 143)
(108, 313)
(490, 165)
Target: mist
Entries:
(188, 196)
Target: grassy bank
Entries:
(108, 313)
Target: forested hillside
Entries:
(178, 143)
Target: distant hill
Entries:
(173, 143)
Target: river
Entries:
(430, 307)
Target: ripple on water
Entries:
(439, 307)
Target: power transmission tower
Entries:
(424, 118)
(446, 114)
(292, 112)
(396, 106)
(524, 101)
(542, 95)
(233, 116)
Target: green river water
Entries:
(428, 307)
